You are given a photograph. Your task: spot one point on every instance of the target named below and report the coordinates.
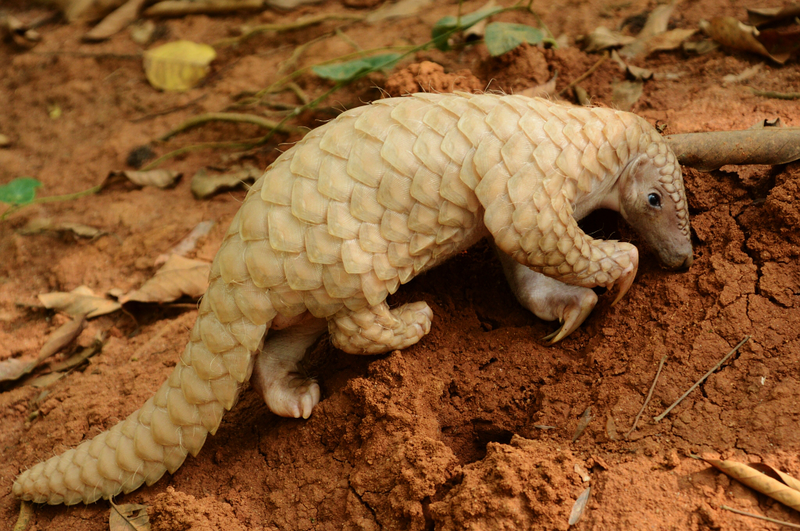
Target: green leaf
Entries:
(502, 37)
(449, 24)
(20, 191)
(347, 71)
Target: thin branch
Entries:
(301, 23)
(701, 380)
(768, 519)
(776, 95)
(586, 74)
(649, 396)
(230, 117)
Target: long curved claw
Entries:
(573, 315)
(627, 276)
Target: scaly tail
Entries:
(175, 422)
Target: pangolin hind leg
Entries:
(377, 329)
(547, 298)
(276, 375)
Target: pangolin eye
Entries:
(654, 200)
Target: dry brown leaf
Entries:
(734, 34)
(582, 472)
(746, 74)
(584, 421)
(14, 368)
(624, 94)
(117, 21)
(187, 244)
(700, 47)
(141, 33)
(39, 225)
(63, 336)
(159, 178)
(579, 506)
(545, 90)
(128, 517)
(635, 73)
(86, 10)
(46, 380)
(80, 301)
(611, 427)
(290, 4)
(768, 15)
(205, 184)
(603, 38)
(669, 40)
(582, 96)
(77, 359)
(401, 9)
(13, 28)
(759, 481)
(656, 24)
(777, 475)
(181, 8)
(178, 277)
(709, 151)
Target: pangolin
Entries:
(360, 206)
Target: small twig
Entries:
(298, 51)
(586, 74)
(649, 396)
(701, 380)
(303, 22)
(767, 518)
(230, 117)
(95, 55)
(52, 199)
(168, 110)
(776, 95)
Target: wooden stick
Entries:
(701, 380)
(585, 74)
(649, 395)
(768, 519)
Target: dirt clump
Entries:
(520, 485)
(428, 76)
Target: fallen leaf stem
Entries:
(767, 518)
(649, 396)
(702, 379)
(586, 74)
(51, 199)
(231, 117)
(300, 23)
(243, 144)
(776, 95)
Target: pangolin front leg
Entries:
(548, 299)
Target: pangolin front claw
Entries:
(625, 280)
(573, 315)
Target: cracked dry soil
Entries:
(450, 433)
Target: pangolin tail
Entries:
(173, 423)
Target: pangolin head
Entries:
(653, 201)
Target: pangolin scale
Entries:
(360, 206)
